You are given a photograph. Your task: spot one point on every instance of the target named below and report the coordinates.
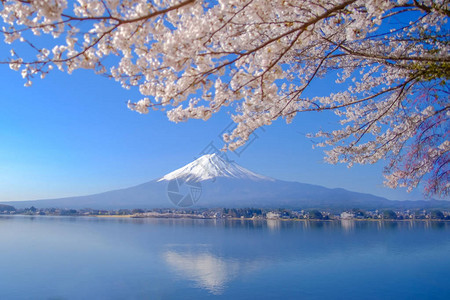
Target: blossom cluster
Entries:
(192, 58)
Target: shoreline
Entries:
(227, 219)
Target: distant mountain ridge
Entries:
(219, 183)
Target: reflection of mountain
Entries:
(208, 271)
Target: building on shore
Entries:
(347, 215)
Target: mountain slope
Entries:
(219, 183)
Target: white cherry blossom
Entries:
(192, 57)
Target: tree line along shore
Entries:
(239, 213)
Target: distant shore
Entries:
(180, 217)
(112, 216)
(249, 214)
(232, 219)
(265, 219)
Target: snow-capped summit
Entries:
(211, 166)
(235, 187)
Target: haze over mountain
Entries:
(210, 181)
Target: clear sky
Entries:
(71, 135)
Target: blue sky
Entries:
(72, 135)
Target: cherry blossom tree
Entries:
(259, 58)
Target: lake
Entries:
(112, 258)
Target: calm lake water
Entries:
(98, 258)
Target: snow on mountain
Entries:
(211, 166)
(226, 184)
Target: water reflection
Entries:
(273, 225)
(208, 271)
(348, 225)
(110, 258)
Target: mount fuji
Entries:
(210, 167)
(211, 182)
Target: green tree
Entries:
(359, 213)
(437, 214)
(7, 208)
(389, 214)
(124, 212)
(315, 214)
